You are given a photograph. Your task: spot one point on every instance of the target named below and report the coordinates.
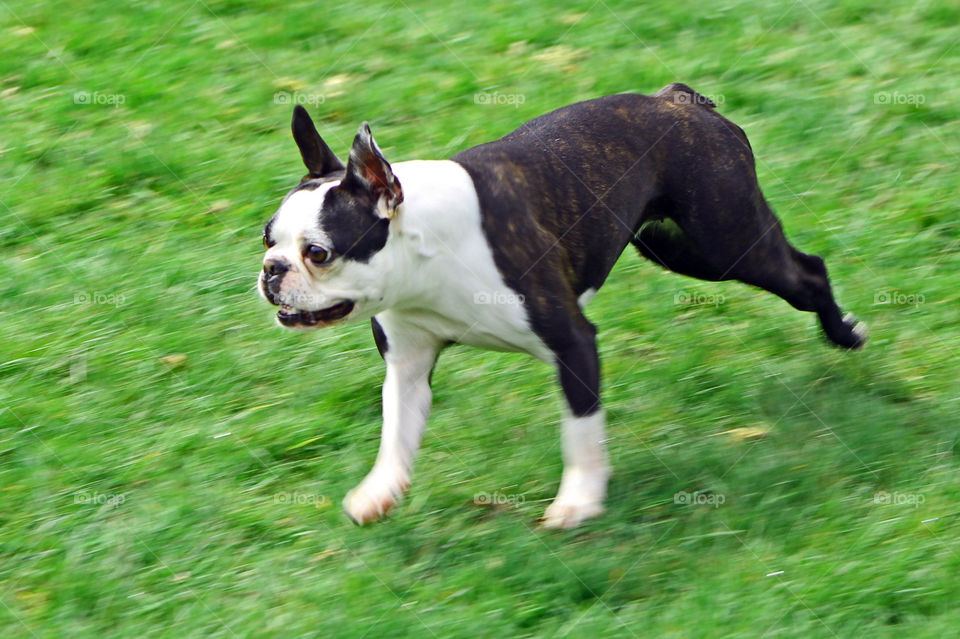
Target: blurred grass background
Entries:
(171, 464)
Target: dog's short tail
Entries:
(679, 93)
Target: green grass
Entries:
(131, 233)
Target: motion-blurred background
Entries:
(171, 463)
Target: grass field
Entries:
(171, 463)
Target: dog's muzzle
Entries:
(273, 272)
(288, 315)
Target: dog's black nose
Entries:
(274, 268)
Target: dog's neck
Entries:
(428, 230)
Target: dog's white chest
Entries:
(454, 289)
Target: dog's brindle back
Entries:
(681, 187)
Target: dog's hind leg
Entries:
(753, 249)
(803, 282)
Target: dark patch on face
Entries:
(350, 221)
(379, 337)
(267, 238)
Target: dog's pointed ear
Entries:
(369, 172)
(317, 156)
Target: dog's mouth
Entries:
(289, 316)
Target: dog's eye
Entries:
(317, 254)
(266, 242)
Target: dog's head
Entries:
(325, 259)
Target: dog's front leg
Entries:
(583, 485)
(410, 356)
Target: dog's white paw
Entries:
(374, 497)
(580, 497)
(561, 514)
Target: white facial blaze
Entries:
(298, 212)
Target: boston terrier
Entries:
(504, 244)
